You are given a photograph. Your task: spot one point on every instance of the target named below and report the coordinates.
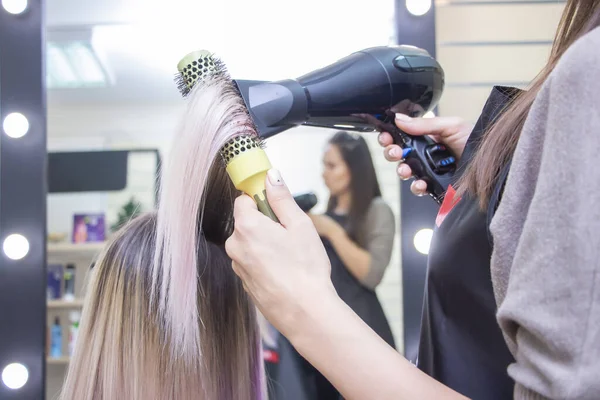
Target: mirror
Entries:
(110, 87)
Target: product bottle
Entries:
(70, 283)
(56, 339)
(74, 317)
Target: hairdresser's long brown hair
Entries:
(364, 186)
(500, 141)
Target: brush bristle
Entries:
(239, 145)
(198, 66)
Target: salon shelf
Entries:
(58, 361)
(65, 304)
(74, 250)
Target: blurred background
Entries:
(110, 66)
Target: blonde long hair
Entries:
(164, 316)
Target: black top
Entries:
(461, 343)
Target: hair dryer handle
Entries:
(429, 161)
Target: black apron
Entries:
(461, 343)
(362, 300)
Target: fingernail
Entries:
(402, 169)
(380, 139)
(403, 118)
(275, 178)
(395, 152)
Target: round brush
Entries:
(246, 161)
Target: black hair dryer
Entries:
(306, 201)
(361, 92)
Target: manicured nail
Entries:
(395, 152)
(403, 118)
(275, 178)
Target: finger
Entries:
(244, 206)
(233, 247)
(394, 153)
(404, 172)
(428, 126)
(385, 139)
(419, 188)
(281, 200)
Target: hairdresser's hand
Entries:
(284, 266)
(451, 131)
(325, 225)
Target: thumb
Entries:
(281, 200)
(439, 126)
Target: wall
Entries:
(481, 43)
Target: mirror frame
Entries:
(23, 198)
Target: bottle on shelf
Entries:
(74, 317)
(56, 339)
(69, 294)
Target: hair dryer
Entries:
(361, 92)
(306, 201)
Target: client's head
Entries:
(164, 315)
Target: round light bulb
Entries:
(15, 376)
(422, 240)
(418, 7)
(16, 125)
(14, 6)
(16, 246)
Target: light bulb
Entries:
(16, 246)
(14, 6)
(15, 125)
(15, 376)
(418, 7)
(422, 240)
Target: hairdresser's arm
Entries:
(356, 259)
(286, 271)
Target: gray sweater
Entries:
(546, 260)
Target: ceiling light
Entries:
(418, 7)
(16, 246)
(422, 240)
(14, 6)
(72, 61)
(86, 63)
(15, 125)
(15, 376)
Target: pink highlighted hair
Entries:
(164, 316)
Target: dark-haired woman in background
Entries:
(358, 233)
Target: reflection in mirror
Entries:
(110, 69)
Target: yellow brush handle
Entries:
(248, 172)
